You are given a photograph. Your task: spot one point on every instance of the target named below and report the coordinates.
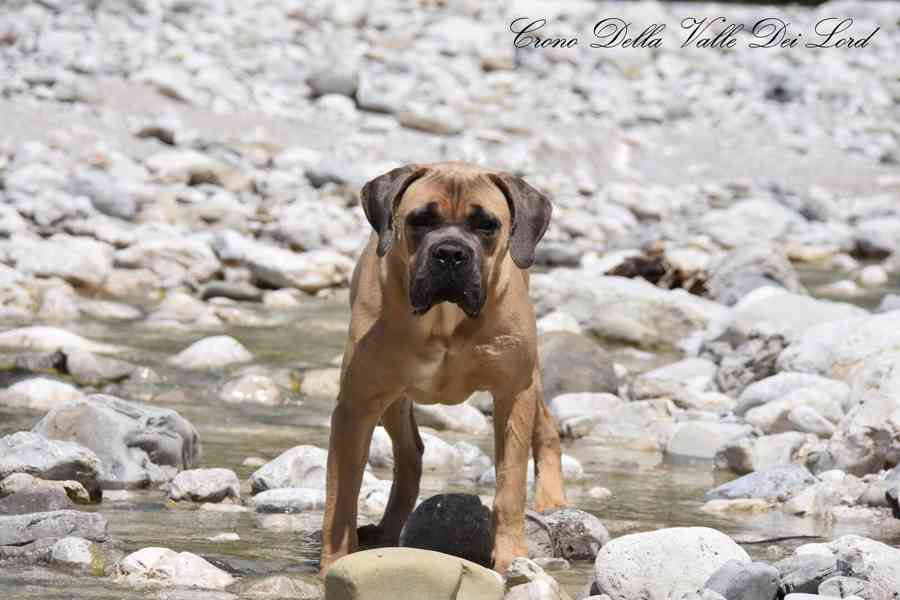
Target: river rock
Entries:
(39, 394)
(27, 452)
(875, 562)
(845, 587)
(749, 267)
(298, 467)
(73, 551)
(572, 471)
(289, 500)
(90, 369)
(804, 573)
(21, 493)
(164, 567)
(373, 574)
(774, 417)
(40, 338)
(778, 386)
(279, 587)
(774, 485)
(205, 485)
(455, 524)
(627, 310)
(790, 315)
(703, 439)
(214, 352)
(577, 412)
(80, 261)
(567, 533)
(761, 453)
(137, 444)
(461, 418)
(689, 383)
(657, 564)
(24, 529)
(252, 389)
(737, 580)
(839, 348)
(571, 362)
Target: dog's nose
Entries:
(450, 255)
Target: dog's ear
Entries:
(378, 198)
(530, 211)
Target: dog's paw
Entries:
(374, 536)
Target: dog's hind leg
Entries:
(550, 489)
(400, 424)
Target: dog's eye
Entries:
(487, 226)
(422, 220)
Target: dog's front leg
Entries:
(514, 414)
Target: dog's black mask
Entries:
(447, 266)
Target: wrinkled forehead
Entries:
(456, 194)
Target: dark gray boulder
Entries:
(573, 363)
(737, 580)
(455, 524)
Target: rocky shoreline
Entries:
(718, 298)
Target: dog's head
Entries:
(451, 224)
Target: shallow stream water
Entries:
(647, 492)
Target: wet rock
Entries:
(743, 505)
(137, 444)
(526, 580)
(164, 567)
(750, 267)
(39, 394)
(689, 383)
(175, 260)
(235, 290)
(778, 386)
(455, 524)
(873, 561)
(461, 418)
(844, 587)
(279, 268)
(225, 537)
(752, 361)
(58, 305)
(761, 453)
(577, 412)
(26, 452)
(425, 574)
(277, 587)
(737, 580)
(655, 318)
(289, 500)
(73, 551)
(205, 485)
(48, 339)
(774, 485)
(655, 564)
(80, 261)
(24, 529)
(107, 194)
(774, 417)
(572, 471)
(214, 352)
(321, 383)
(572, 363)
(790, 315)
(837, 349)
(567, 533)
(808, 420)
(90, 369)
(21, 493)
(803, 573)
(180, 310)
(36, 499)
(703, 439)
(298, 467)
(252, 389)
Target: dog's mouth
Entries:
(428, 290)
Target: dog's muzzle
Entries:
(450, 272)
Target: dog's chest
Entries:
(447, 373)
